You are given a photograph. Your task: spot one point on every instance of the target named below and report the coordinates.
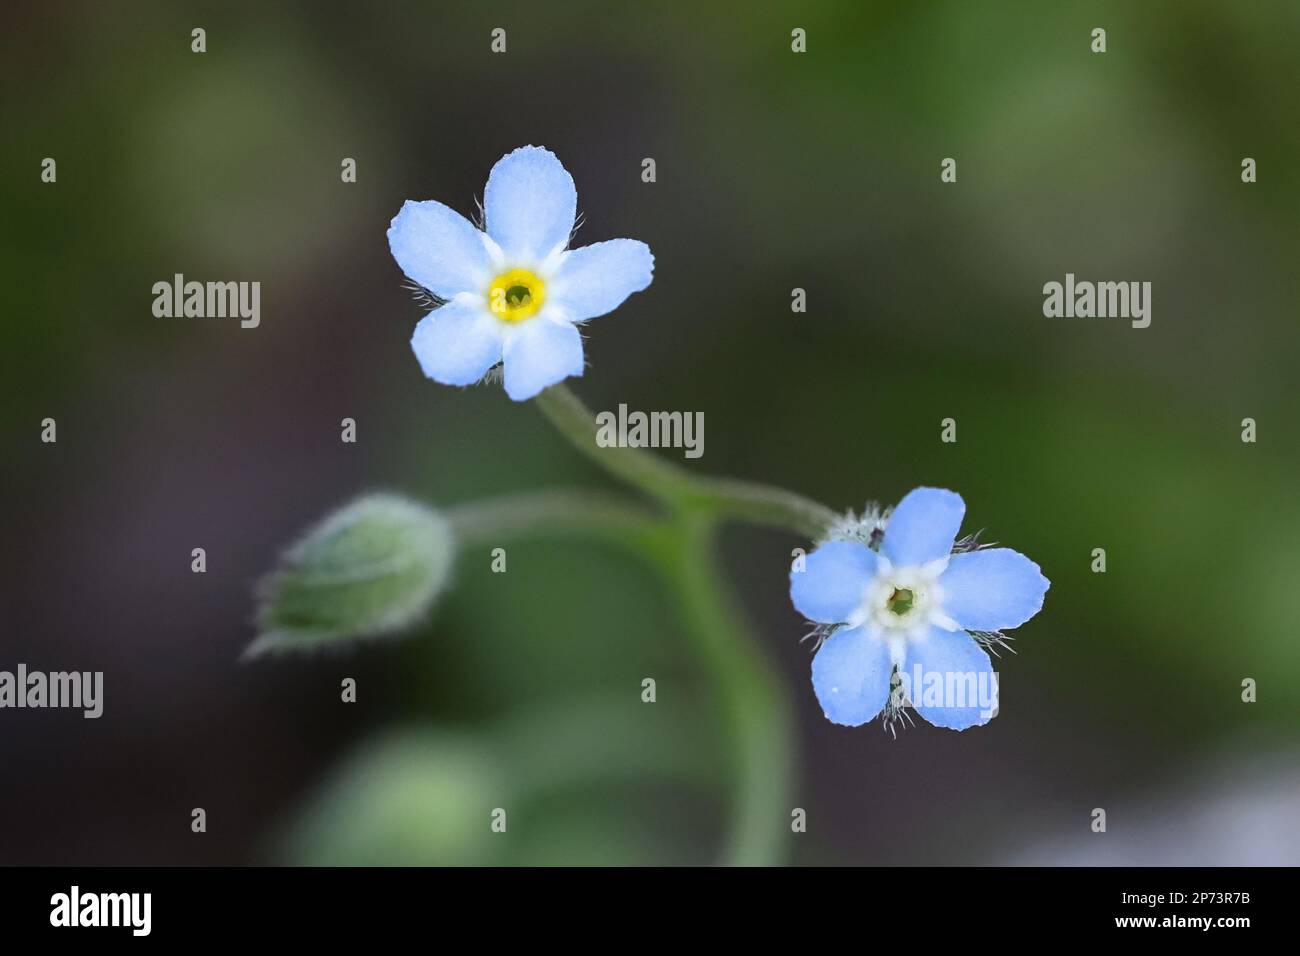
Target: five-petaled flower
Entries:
(911, 605)
(514, 292)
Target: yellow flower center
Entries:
(516, 295)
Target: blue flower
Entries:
(906, 615)
(515, 293)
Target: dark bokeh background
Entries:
(775, 170)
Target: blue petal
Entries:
(457, 343)
(530, 203)
(439, 248)
(597, 278)
(950, 680)
(830, 586)
(923, 526)
(540, 353)
(850, 676)
(992, 589)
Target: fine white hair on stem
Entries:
(867, 527)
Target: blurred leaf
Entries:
(582, 781)
(410, 797)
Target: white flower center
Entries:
(903, 602)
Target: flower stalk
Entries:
(754, 705)
(678, 488)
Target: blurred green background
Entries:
(775, 170)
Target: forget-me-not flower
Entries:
(897, 595)
(513, 292)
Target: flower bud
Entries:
(371, 568)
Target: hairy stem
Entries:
(762, 505)
(677, 487)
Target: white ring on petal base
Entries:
(926, 611)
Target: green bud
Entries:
(371, 568)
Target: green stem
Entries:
(754, 705)
(762, 505)
(753, 701)
(594, 513)
(636, 466)
(677, 487)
